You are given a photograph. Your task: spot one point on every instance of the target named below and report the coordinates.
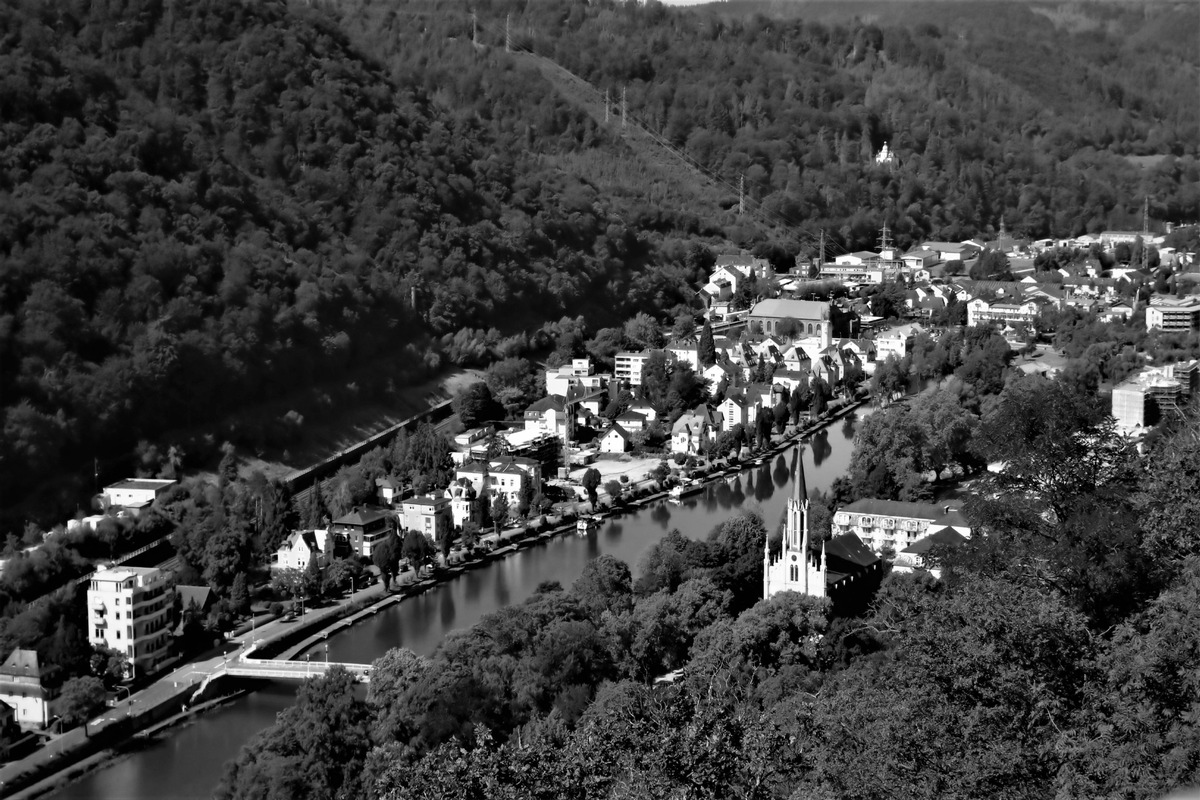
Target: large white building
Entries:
(893, 524)
(128, 609)
(1180, 314)
(1140, 400)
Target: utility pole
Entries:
(741, 195)
(474, 30)
(606, 106)
(885, 241)
(822, 264)
(624, 106)
(507, 34)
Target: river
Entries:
(187, 762)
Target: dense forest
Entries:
(209, 205)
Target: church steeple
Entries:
(797, 569)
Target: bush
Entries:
(276, 609)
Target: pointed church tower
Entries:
(797, 569)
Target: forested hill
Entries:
(209, 203)
(1026, 112)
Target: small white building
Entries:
(29, 688)
(128, 609)
(135, 494)
(429, 515)
(298, 549)
(616, 440)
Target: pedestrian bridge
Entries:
(266, 669)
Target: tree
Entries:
(500, 509)
(385, 556)
(417, 549)
(707, 348)
(613, 488)
(312, 584)
(316, 749)
(656, 380)
(591, 482)
(991, 265)
(80, 698)
(239, 595)
(474, 405)
(445, 543)
(470, 534)
(605, 586)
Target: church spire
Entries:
(801, 487)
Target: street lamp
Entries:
(307, 656)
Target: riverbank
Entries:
(362, 611)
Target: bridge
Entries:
(269, 670)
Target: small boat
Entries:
(585, 525)
(681, 491)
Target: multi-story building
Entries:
(894, 525)
(1141, 400)
(428, 514)
(1169, 314)
(128, 609)
(506, 474)
(981, 311)
(360, 530)
(29, 688)
(628, 367)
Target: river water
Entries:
(188, 761)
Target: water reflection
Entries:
(447, 610)
(781, 474)
(660, 514)
(763, 487)
(820, 447)
(613, 532)
(722, 494)
(737, 496)
(592, 546)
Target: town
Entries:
(651, 410)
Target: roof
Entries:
(22, 662)
(617, 429)
(849, 548)
(946, 537)
(361, 516)
(425, 500)
(952, 519)
(791, 309)
(144, 484)
(551, 401)
(893, 508)
(632, 416)
(201, 595)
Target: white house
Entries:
(616, 440)
(135, 494)
(896, 341)
(691, 432)
(628, 367)
(29, 688)
(429, 514)
(299, 547)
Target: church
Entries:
(842, 569)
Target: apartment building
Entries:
(128, 609)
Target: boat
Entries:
(677, 493)
(586, 525)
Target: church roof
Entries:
(850, 549)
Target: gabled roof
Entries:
(952, 519)
(200, 595)
(850, 549)
(538, 407)
(617, 429)
(944, 537)
(22, 662)
(632, 416)
(791, 309)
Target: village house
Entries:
(632, 421)
(616, 440)
(722, 371)
(30, 689)
(507, 475)
(896, 341)
(738, 408)
(359, 531)
(686, 353)
(692, 432)
(578, 374)
(428, 514)
(548, 416)
(387, 490)
(464, 503)
(301, 547)
(916, 555)
(730, 271)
